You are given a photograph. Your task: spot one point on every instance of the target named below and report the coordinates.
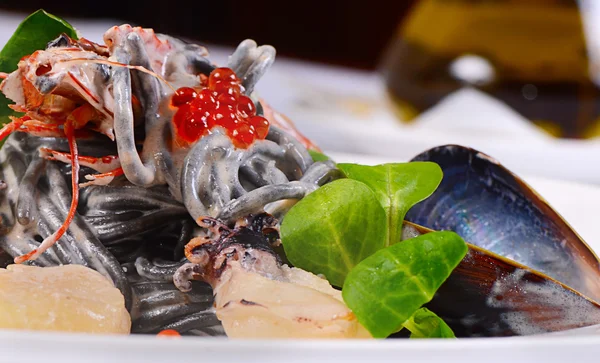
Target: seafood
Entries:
(502, 298)
(255, 294)
(527, 271)
(61, 298)
(492, 208)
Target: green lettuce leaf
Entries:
(334, 228)
(398, 186)
(388, 287)
(426, 324)
(317, 156)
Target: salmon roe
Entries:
(219, 103)
(168, 333)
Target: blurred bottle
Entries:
(531, 54)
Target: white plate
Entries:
(575, 202)
(284, 88)
(67, 348)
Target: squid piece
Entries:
(256, 296)
(70, 298)
(298, 305)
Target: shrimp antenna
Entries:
(117, 64)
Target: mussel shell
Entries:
(494, 209)
(489, 295)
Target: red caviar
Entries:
(168, 333)
(184, 95)
(219, 103)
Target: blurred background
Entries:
(348, 33)
(516, 79)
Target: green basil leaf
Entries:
(424, 323)
(398, 187)
(334, 228)
(386, 288)
(34, 33)
(317, 156)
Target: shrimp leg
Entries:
(103, 164)
(9, 128)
